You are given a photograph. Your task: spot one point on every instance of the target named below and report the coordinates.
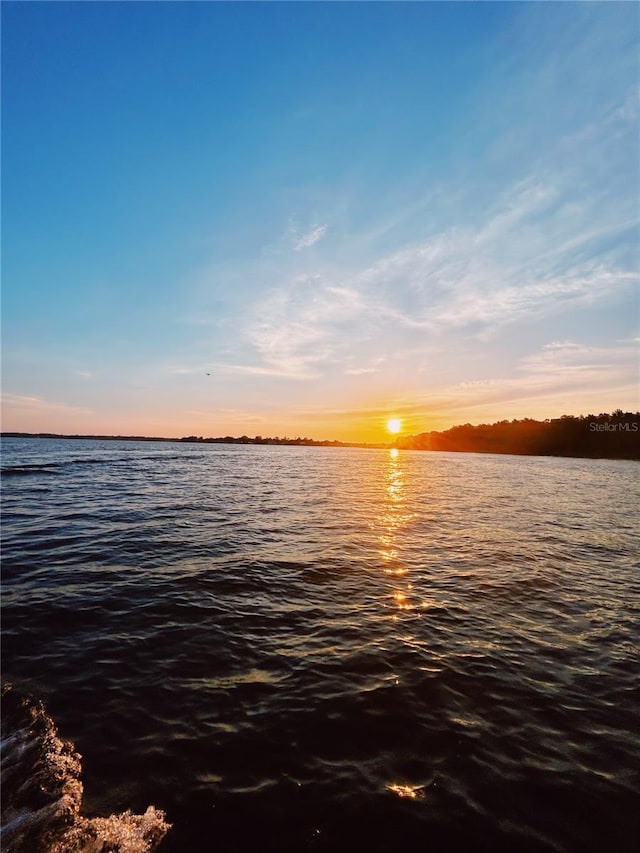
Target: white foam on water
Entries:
(42, 793)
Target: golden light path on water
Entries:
(393, 521)
(394, 517)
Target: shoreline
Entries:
(409, 443)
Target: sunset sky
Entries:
(306, 219)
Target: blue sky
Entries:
(341, 212)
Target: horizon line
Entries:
(258, 439)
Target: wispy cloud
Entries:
(540, 252)
(314, 235)
(304, 323)
(556, 379)
(582, 365)
(250, 369)
(561, 376)
(236, 415)
(12, 402)
(218, 368)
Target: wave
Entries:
(26, 470)
(42, 792)
(29, 468)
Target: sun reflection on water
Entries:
(409, 792)
(402, 600)
(394, 518)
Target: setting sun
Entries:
(394, 425)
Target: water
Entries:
(330, 649)
(42, 792)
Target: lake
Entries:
(333, 649)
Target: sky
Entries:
(303, 219)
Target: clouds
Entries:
(304, 323)
(561, 374)
(31, 413)
(551, 239)
(313, 236)
(567, 363)
(361, 371)
(560, 377)
(542, 249)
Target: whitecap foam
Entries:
(42, 793)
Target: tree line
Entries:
(605, 436)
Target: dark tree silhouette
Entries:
(610, 436)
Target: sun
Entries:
(394, 425)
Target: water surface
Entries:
(332, 649)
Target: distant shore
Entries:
(195, 439)
(602, 436)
